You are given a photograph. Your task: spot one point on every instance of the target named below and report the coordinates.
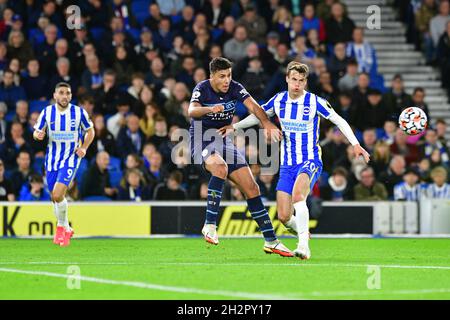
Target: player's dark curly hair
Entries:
(218, 64)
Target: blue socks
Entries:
(215, 187)
(261, 216)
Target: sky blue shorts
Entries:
(288, 174)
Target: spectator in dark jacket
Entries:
(103, 140)
(336, 187)
(369, 189)
(34, 83)
(171, 190)
(21, 175)
(134, 187)
(96, 179)
(255, 78)
(394, 174)
(374, 114)
(131, 138)
(396, 98)
(339, 28)
(9, 92)
(14, 144)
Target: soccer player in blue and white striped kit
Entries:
(298, 111)
(70, 132)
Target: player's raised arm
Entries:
(196, 110)
(326, 111)
(272, 132)
(40, 126)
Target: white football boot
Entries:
(209, 232)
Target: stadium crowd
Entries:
(133, 64)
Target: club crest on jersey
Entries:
(306, 111)
(73, 123)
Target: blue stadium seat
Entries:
(38, 105)
(176, 19)
(135, 33)
(96, 198)
(114, 164)
(36, 37)
(10, 115)
(97, 33)
(38, 164)
(139, 9)
(115, 177)
(216, 33)
(80, 172)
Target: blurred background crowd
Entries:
(133, 64)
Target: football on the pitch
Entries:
(413, 120)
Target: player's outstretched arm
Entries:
(88, 138)
(348, 133)
(197, 111)
(272, 132)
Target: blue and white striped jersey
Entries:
(65, 131)
(435, 192)
(403, 191)
(299, 121)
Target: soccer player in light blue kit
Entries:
(70, 132)
(301, 164)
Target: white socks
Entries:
(292, 223)
(302, 219)
(61, 213)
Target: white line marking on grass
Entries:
(232, 264)
(151, 286)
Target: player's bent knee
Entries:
(220, 171)
(283, 215)
(298, 197)
(253, 191)
(57, 197)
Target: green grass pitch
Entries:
(188, 268)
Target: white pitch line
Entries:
(151, 286)
(234, 294)
(237, 264)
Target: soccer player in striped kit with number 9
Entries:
(70, 132)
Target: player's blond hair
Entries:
(297, 66)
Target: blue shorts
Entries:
(201, 150)
(288, 174)
(64, 175)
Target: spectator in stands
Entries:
(369, 139)
(171, 8)
(389, 130)
(130, 138)
(122, 65)
(161, 133)
(3, 57)
(424, 170)
(441, 130)
(202, 44)
(9, 92)
(34, 83)
(155, 17)
(19, 48)
(300, 51)
(156, 74)
(103, 140)
(334, 151)
(164, 36)
(184, 28)
(324, 8)
(3, 125)
(315, 44)
(400, 147)
(134, 187)
(339, 27)
(227, 33)
(394, 174)
(63, 75)
(45, 52)
(418, 100)
(337, 63)
(34, 190)
(21, 115)
(234, 48)
(422, 20)
(350, 80)
(439, 189)
(187, 73)
(156, 170)
(396, 99)
(438, 24)
(87, 103)
(6, 188)
(215, 11)
(179, 94)
(444, 57)
(147, 122)
(254, 24)
(107, 94)
(20, 175)
(96, 12)
(432, 143)
(171, 190)
(363, 52)
(369, 189)
(15, 143)
(92, 77)
(409, 189)
(360, 92)
(336, 187)
(96, 179)
(15, 68)
(381, 157)
(311, 21)
(118, 120)
(373, 114)
(345, 108)
(122, 9)
(255, 78)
